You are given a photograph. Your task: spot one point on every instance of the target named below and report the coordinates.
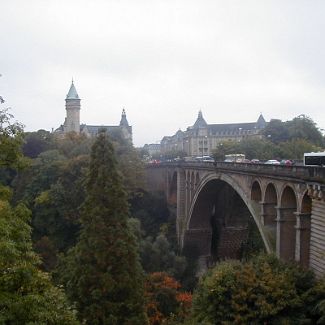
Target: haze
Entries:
(162, 61)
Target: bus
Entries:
(314, 159)
(235, 157)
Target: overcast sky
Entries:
(163, 61)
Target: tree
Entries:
(276, 131)
(258, 148)
(303, 127)
(165, 300)
(261, 291)
(102, 273)
(11, 134)
(27, 295)
(36, 142)
(224, 149)
(296, 148)
(158, 256)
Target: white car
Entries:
(272, 162)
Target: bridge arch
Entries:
(208, 182)
(256, 191)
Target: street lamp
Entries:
(240, 129)
(203, 143)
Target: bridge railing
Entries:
(300, 172)
(306, 173)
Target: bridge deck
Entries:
(299, 173)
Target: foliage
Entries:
(295, 148)
(301, 127)
(158, 256)
(151, 209)
(130, 164)
(254, 244)
(11, 135)
(102, 272)
(276, 131)
(250, 147)
(263, 290)
(26, 293)
(165, 301)
(281, 140)
(225, 149)
(36, 142)
(73, 144)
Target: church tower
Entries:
(72, 105)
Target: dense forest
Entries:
(83, 242)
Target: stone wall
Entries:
(317, 237)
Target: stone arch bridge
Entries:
(216, 203)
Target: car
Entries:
(255, 161)
(272, 162)
(286, 162)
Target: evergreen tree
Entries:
(102, 272)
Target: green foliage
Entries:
(26, 293)
(282, 140)
(295, 148)
(11, 139)
(37, 142)
(225, 149)
(263, 290)
(151, 209)
(276, 131)
(73, 144)
(102, 273)
(254, 244)
(158, 256)
(301, 127)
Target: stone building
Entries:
(201, 138)
(72, 120)
(152, 148)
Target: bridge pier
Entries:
(268, 214)
(181, 206)
(285, 233)
(302, 238)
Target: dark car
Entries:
(286, 162)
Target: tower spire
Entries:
(72, 106)
(124, 121)
(72, 94)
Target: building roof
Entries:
(261, 123)
(200, 122)
(94, 129)
(231, 127)
(124, 121)
(72, 94)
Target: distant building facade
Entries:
(72, 120)
(202, 138)
(152, 148)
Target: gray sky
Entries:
(163, 61)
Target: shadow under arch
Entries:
(256, 191)
(203, 231)
(286, 229)
(172, 193)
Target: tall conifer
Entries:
(103, 273)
